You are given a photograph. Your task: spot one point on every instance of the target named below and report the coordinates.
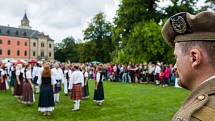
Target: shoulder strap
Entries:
(205, 114)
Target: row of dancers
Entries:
(25, 80)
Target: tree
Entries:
(181, 6)
(129, 13)
(87, 51)
(145, 44)
(66, 50)
(210, 5)
(99, 31)
(58, 50)
(136, 34)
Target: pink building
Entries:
(25, 43)
(14, 47)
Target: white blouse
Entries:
(18, 71)
(98, 75)
(39, 81)
(86, 74)
(27, 74)
(58, 74)
(2, 72)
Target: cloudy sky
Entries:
(57, 18)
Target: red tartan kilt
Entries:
(76, 92)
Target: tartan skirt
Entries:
(76, 92)
(18, 88)
(2, 85)
(27, 93)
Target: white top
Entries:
(151, 69)
(157, 69)
(65, 72)
(122, 69)
(76, 77)
(36, 71)
(86, 74)
(12, 68)
(10, 71)
(39, 81)
(2, 72)
(8, 65)
(18, 71)
(69, 74)
(98, 75)
(28, 74)
(58, 74)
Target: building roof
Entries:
(21, 32)
(18, 32)
(25, 18)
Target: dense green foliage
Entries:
(66, 50)
(181, 6)
(130, 102)
(97, 45)
(145, 44)
(133, 37)
(100, 32)
(209, 4)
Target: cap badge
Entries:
(179, 24)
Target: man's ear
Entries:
(195, 57)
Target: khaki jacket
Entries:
(199, 105)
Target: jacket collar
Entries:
(197, 99)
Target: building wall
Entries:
(51, 50)
(45, 48)
(14, 47)
(42, 47)
(33, 48)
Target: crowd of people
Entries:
(46, 79)
(157, 73)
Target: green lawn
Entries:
(123, 102)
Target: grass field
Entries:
(123, 102)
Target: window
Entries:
(50, 45)
(0, 30)
(42, 54)
(8, 52)
(18, 52)
(8, 42)
(17, 32)
(42, 44)
(0, 51)
(24, 33)
(8, 31)
(50, 54)
(1, 41)
(34, 44)
(18, 42)
(26, 44)
(25, 53)
(34, 53)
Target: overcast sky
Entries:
(57, 18)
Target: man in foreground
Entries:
(193, 37)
